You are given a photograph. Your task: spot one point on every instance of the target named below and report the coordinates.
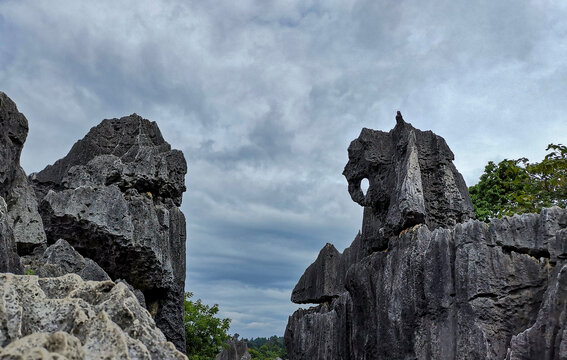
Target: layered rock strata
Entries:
(115, 198)
(68, 318)
(423, 280)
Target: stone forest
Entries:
(92, 257)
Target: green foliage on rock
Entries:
(206, 334)
(518, 186)
(262, 348)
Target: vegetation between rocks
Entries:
(518, 186)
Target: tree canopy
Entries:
(518, 186)
(262, 348)
(206, 334)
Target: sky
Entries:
(264, 97)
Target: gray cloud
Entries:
(264, 98)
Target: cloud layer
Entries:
(264, 97)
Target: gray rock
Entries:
(115, 199)
(139, 294)
(446, 294)
(321, 281)
(13, 134)
(546, 339)
(324, 279)
(60, 259)
(237, 350)
(442, 286)
(319, 332)
(45, 346)
(22, 215)
(412, 180)
(67, 316)
(9, 259)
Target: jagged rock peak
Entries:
(324, 279)
(134, 145)
(237, 350)
(412, 180)
(399, 118)
(115, 199)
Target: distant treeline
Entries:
(262, 348)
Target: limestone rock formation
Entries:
(115, 199)
(324, 279)
(412, 180)
(9, 259)
(428, 282)
(60, 259)
(69, 318)
(21, 212)
(237, 350)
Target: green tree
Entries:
(266, 349)
(206, 334)
(518, 186)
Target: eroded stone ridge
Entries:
(115, 199)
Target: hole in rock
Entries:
(364, 186)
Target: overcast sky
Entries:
(263, 98)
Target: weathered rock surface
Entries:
(237, 350)
(423, 282)
(43, 318)
(9, 259)
(412, 180)
(60, 259)
(547, 337)
(39, 346)
(21, 205)
(324, 279)
(115, 199)
(13, 134)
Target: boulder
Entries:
(60, 259)
(114, 198)
(68, 318)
